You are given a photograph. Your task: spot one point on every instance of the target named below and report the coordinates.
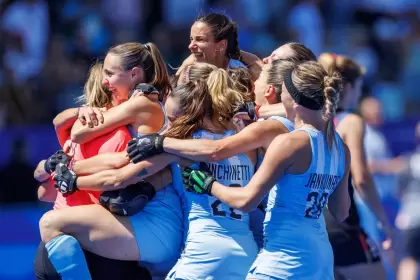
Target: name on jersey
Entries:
(230, 172)
(322, 181)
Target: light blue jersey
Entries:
(219, 243)
(257, 216)
(158, 227)
(233, 63)
(296, 241)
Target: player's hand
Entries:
(56, 158)
(197, 181)
(246, 111)
(90, 116)
(141, 148)
(65, 180)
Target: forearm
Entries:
(272, 110)
(100, 163)
(367, 192)
(196, 150)
(47, 192)
(238, 198)
(63, 123)
(127, 175)
(40, 174)
(253, 62)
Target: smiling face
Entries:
(118, 81)
(172, 108)
(203, 45)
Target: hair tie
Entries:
(315, 103)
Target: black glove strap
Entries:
(251, 110)
(159, 143)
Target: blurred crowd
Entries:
(48, 46)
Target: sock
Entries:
(68, 258)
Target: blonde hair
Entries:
(148, 58)
(94, 94)
(241, 81)
(224, 98)
(345, 66)
(311, 80)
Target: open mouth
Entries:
(198, 56)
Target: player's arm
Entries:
(63, 123)
(100, 162)
(253, 62)
(136, 109)
(362, 179)
(279, 157)
(120, 178)
(252, 137)
(46, 191)
(339, 201)
(272, 110)
(40, 174)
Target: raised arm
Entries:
(64, 121)
(139, 109)
(254, 136)
(253, 62)
(362, 179)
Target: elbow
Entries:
(245, 205)
(215, 154)
(76, 137)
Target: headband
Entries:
(315, 103)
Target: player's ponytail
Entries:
(225, 100)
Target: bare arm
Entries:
(252, 137)
(127, 175)
(253, 62)
(339, 201)
(40, 174)
(101, 162)
(63, 123)
(362, 179)
(134, 110)
(279, 157)
(272, 110)
(46, 191)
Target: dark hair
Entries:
(275, 74)
(222, 28)
(195, 102)
(301, 53)
(147, 57)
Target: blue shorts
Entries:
(158, 230)
(209, 255)
(294, 249)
